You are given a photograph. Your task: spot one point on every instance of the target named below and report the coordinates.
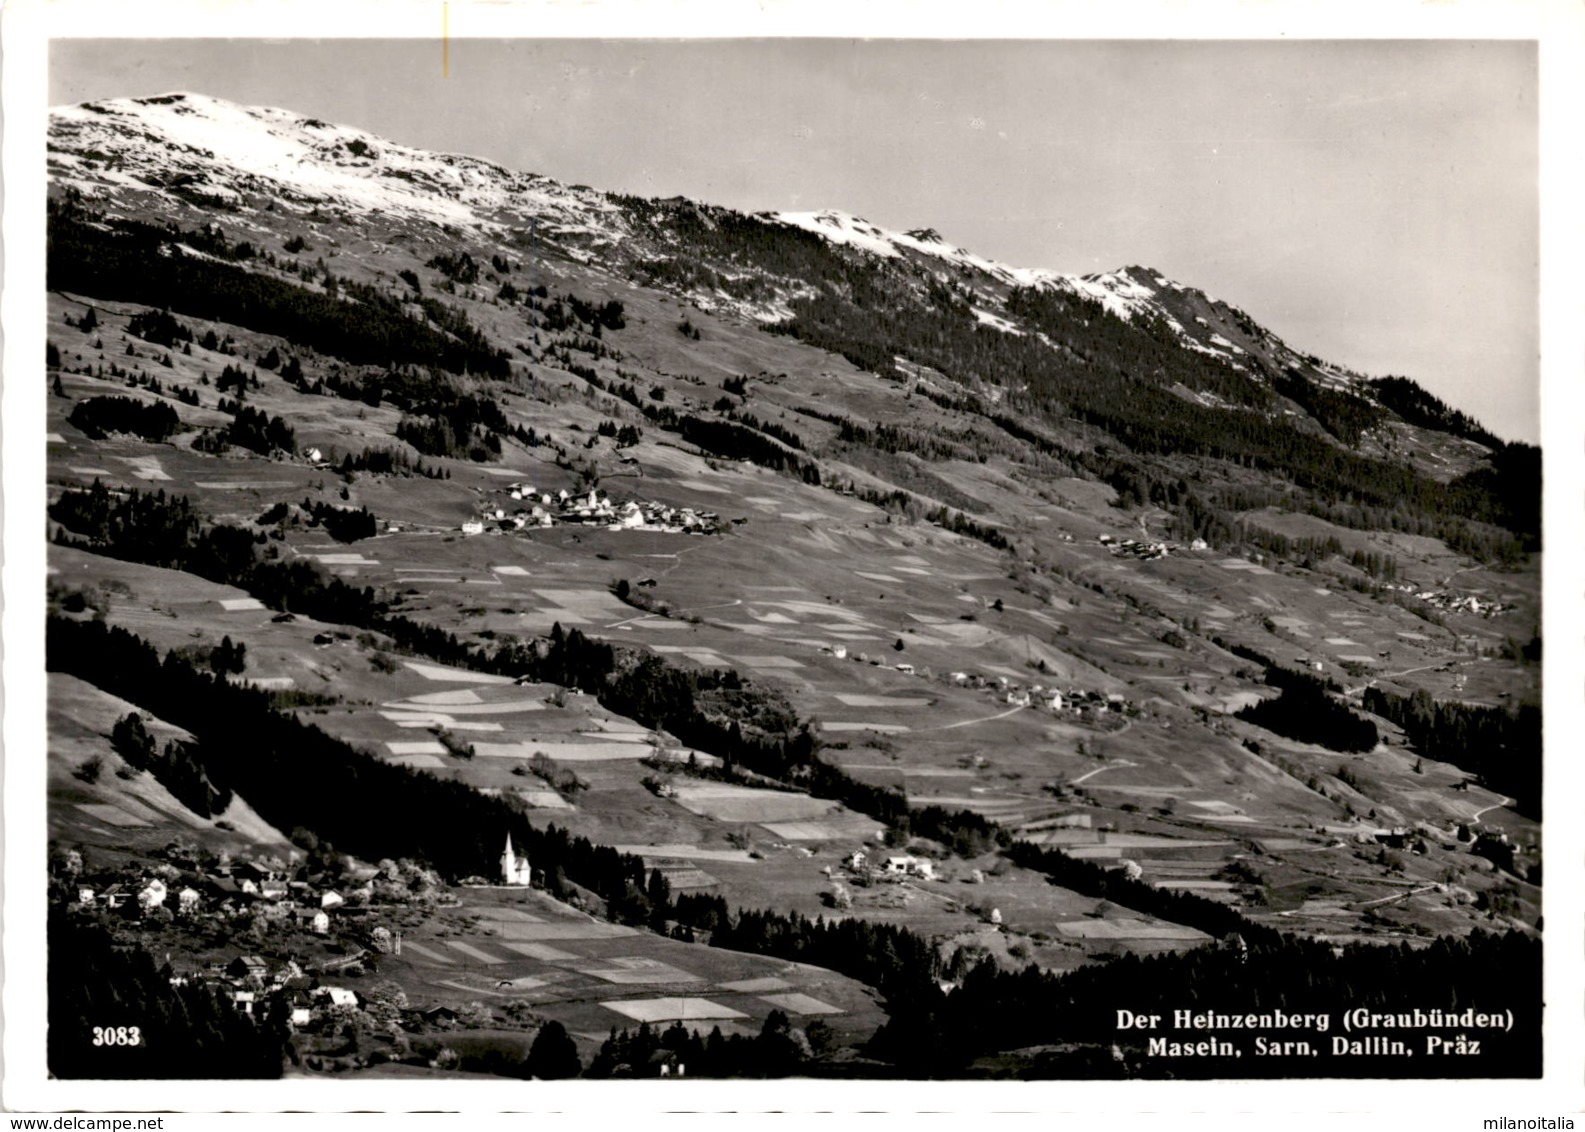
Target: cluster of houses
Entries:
(1459, 603)
(532, 508)
(1144, 551)
(897, 865)
(250, 888)
(1134, 548)
(1076, 702)
(256, 990)
(254, 986)
(262, 991)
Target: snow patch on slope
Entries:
(996, 322)
(854, 231)
(841, 228)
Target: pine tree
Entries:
(554, 1055)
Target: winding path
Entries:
(1494, 806)
(971, 722)
(1118, 765)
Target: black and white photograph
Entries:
(562, 563)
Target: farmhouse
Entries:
(225, 888)
(254, 871)
(667, 1063)
(153, 894)
(338, 996)
(249, 968)
(910, 866)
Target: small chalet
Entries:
(667, 1063)
(910, 866)
(338, 996)
(302, 1011)
(252, 870)
(248, 967)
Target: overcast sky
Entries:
(1374, 202)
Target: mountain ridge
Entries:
(183, 154)
(327, 163)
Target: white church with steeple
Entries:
(514, 869)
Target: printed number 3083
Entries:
(117, 1036)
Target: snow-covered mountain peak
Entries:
(209, 146)
(1125, 293)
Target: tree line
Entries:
(1117, 376)
(132, 261)
(1502, 747)
(97, 417)
(1303, 711)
